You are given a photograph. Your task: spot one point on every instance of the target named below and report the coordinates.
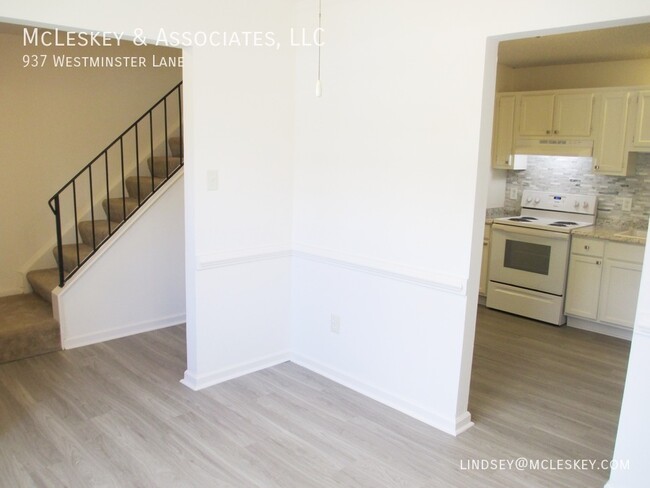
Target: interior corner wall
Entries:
(385, 188)
(55, 120)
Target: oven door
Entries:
(529, 258)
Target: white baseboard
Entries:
(110, 334)
(448, 425)
(205, 380)
(610, 330)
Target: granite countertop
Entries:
(609, 233)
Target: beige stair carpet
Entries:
(27, 328)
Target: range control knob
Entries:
(585, 204)
(529, 199)
(576, 204)
(537, 200)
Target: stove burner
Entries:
(523, 219)
(563, 223)
(558, 224)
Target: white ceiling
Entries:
(613, 44)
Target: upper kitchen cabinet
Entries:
(504, 127)
(611, 120)
(547, 115)
(641, 135)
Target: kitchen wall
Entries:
(574, 175)
(584, 75)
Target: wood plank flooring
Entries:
(115, 415)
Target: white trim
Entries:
(241, 256)
(199, 382)
(642, 324)
(451, 284)
(453, 426)
(393, 271)
(642, 331)
(110, 334)
(463, 422)
(119, 232)
(605, 329)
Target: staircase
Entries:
(116, 210)
(27, 327)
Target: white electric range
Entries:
(529, 254)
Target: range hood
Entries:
(555, 147)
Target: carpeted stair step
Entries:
(117, 206)
(70, 255)
(43, 281)
(175, 145)
(86, 231)
(27, 328)
(158, 167)
(145, 183)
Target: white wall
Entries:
(135, 282)
(240, 124)
(390, 170)
(54, 121)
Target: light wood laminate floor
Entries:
(115, 415)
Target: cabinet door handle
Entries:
(586, 247)
(598, 263)
(555, 132)
(548, 131)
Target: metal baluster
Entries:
(137, 161)
(123, 187)
(108, 196)
(76, 230)
(153, 162)
(92, 206)
(180, 123)
(59, 239)
(166, 141)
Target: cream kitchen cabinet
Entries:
(548, 114)
(585, 273)
(611, 120)
(504, 129)
(603, 282)
(641, 134)
(620, 283)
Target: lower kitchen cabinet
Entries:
(620, 292)
(603, 282)
(583, 286)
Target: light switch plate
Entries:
(213, 180)
(513, 194)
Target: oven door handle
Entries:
(527, 231)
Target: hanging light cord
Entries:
(318, 86)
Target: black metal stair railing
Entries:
(108, 172)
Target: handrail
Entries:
(150, 121)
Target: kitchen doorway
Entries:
(502, 340)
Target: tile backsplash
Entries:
(574, 175)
